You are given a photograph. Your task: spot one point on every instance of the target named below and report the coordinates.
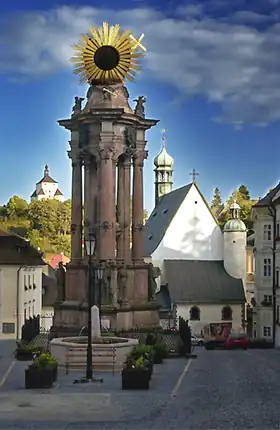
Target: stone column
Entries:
(138, 207)
(107, 212)
(76, 208)
(127, 203)
(120, 209)
(87, 196)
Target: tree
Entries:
(216, 203)
(243, 190)
(17, 208)
(245, 207)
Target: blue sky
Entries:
(211, 76)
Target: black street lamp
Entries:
(90, 243)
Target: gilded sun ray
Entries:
(107, 55)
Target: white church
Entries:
(203, 268)
(47, 188)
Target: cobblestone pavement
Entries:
(220, 390)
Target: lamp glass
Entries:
(99, 273)
(90, 243)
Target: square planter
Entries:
(24, 354)
(135, 379)
(39, 377)
(54, 369)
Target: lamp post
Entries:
(90, 243)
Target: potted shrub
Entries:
(135, 376)
(160, 352)
(147, 352)
(24, 352)
(41, 373)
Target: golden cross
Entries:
(163, 137)
(137, 42)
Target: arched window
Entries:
(226, 313)
(194, 313)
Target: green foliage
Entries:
(46, 223)
(216, 203)
(244, 192)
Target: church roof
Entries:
(33, 194)
(267, 199)
(58, 193)
(201, 282)
(47, 177)
(161, 217)
(163, 214)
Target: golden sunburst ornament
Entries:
(107, 55)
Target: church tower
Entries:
(163, 172)
(235, 234)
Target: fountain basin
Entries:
(108, 353)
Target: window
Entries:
(267, 267)
(277, 278)
(8, 328)
(267, 232)
(195, 314)
(25, 316)
(267, 299)
(29, 281)
(267, 331)
(226, 313)
(277, 229)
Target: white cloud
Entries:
(226, 62)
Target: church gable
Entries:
(192, 233)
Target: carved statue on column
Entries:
(122, 282)
(60, 281)
(153, 274)
(76, 109)
(140, 108)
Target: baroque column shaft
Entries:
(127, 203)
(76, 220)
(87, 197)
(120, 210)
(107, 212)
(138, 207)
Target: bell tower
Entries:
(163, 171)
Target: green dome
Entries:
(235, 224)
(163, 159)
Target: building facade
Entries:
(266, 217)
(20, 283)
(47, 188)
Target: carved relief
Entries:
(130, 137)
(106, 225)
(137, 227)
(83, 135)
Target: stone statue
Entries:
(60, 281)
(153, 274)
(122, 281)
(77, 105)
(140, 109)
(107, 294)
(130, 137)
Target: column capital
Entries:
(106, 153)
(75, 157)
(139, 157)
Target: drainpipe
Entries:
(272, 211)
(17, 322)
